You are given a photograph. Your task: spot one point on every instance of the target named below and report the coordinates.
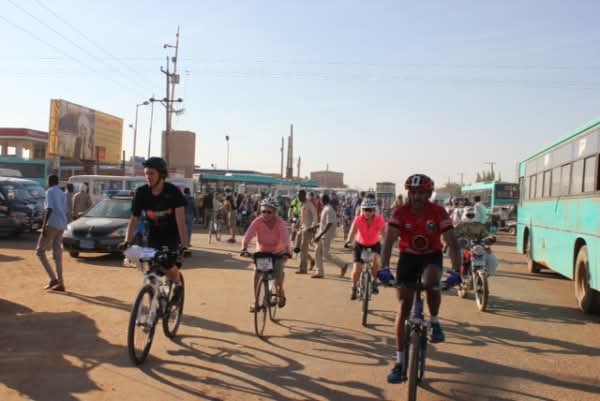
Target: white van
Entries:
(99, 184)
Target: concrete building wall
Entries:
(331, 179)
(182, 151)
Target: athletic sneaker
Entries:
(437, 334)
(395, 376)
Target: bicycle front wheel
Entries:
(142, 323)
(174, 312)
(273, 300)
(414, 350)
(260, 307)
(365, 293)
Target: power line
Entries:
(40, 21)
(86, 37)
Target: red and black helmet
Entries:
(419, 182)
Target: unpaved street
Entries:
(531, 345)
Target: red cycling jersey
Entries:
(421, 234)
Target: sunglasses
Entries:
(266, 212)
(369, 210)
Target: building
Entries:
(328, 179)
(23, 142)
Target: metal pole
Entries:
(150, 132)
(167, 105)
(137, 107)
(227, 140)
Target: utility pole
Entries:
(172, 79)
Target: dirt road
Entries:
(532, 344)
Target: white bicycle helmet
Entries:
(269, 202)
(368, 203)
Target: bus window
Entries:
(577, 177)
(565, 178)
(589, 174)
(555, 190)
(547, 183)
(133, 185)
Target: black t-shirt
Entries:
(160, 214)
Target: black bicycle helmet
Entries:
(158, 164)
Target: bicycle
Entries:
(415, 343)
(216, 225)
(363, 291)
(265, 296)
(153, 302)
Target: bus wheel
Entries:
(588, 300)
(532, 266)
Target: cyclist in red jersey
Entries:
(420, 224)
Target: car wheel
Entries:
(74, 254)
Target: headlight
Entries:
(120, 232)
(68, 231)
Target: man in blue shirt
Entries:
(55, 222)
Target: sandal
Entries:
(281, 303)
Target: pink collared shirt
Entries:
(272, 240)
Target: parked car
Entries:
(101, 229)
(8, 224)
(23, 207)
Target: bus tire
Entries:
(588, 300)
(532, 266)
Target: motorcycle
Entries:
(479, 263)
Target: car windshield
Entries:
(17, 193)
(111, 208)
(37, 191)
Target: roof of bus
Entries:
(21, 160)
(564, 139)
(257, 179)
(482, 185)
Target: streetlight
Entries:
(137, 106)
(227, 140)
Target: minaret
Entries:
(290, 156)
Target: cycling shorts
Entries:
(410, 266)
(358, 248)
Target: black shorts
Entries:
(410, 266)
(358, 248)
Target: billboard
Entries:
(81, 133)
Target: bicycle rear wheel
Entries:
(260, 307)
(218, 229)
(414, 349)
(141, 325)
(174, 312)
(365, 294)
(481, 291)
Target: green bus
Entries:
(559, 212)
(493, 194)
(35, 170)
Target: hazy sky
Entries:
(376, 89)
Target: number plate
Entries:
(264, 264)
(86, 244)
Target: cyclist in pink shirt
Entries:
(271, 237)
(368, 227)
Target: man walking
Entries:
(327, 227)
(308, 218)
(55, 222)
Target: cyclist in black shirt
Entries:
(163, 205)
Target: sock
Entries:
(434, 319)
(399, 356)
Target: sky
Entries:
(375, 89)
